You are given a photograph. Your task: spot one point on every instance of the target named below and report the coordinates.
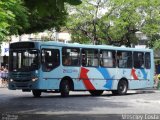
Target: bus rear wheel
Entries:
(96, 92)
(64, 88)
(121, 89)
(36, 93)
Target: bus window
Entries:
(90, 57)
(50, 59)
(70, 56)
(147, 61)
(138, 59)
(24, 60)
(124, 59)
(107, 58)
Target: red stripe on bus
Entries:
(133, 73)
(85, 79)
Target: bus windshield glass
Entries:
(24, 60)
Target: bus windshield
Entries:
(24, 60)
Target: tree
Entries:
(83, 19)
(155, 42)
(46, 14)
(28, 16)
(118, 23)
(13, 17)
(138, 16)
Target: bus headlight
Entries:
(34, 79)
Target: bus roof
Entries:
(58, 44)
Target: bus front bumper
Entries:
(22, 85)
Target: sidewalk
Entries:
(2, 85)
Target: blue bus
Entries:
(64, 67)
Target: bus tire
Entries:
(36, 93)
(64, 88)
(96, 92)
(122, 87)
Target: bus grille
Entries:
(22, 80)
(21, 77)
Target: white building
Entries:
(4, 53)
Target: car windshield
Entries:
(24, 60)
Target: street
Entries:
(20, 105)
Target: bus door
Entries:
(50, 58)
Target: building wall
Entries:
(4, 53)
(63, 37)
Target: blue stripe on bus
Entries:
(106, 75)
(144, 73)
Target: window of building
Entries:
(50, 59)
(124, 59)
(147, 61)
(107, 58)
(90, 58)
(70, 56)
(138, 59)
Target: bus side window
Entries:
(107, 58)
(129, 60)
(70, 56)
(147, 60)
(90, 57)
(50, 59)
(84, 59)
(138, 59)
(119, 59)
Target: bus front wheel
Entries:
(96, 92)
(64, 88)
(36, 93)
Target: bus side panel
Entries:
(145, 76)
(96, 78)
(73, 73)
(140, 78)
(143, 79)
(49, 80)
(137, 84)
(52, 79)
(137, 78)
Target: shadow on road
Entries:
(108, 94)
(55, 103)
(76, 102)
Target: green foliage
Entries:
(13, 17)
(83, 20)
(46, 14)
(155, 41)
(5, 17)
(114, 21)
(29, 16)
(21, 17)
(156, 45)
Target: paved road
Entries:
(79, 105)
